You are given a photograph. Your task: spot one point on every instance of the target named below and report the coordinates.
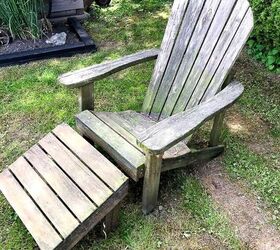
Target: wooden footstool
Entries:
(62, 187)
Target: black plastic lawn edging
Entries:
(84, 45)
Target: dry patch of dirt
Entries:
(241, 125)
(250, 221)
(174, 226)
(253, 131)
(110, 45)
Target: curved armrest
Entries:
(85, 76)
(172, 130)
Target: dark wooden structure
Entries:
(202, 41)
(85, 45)
(60, 10)
(62, 187)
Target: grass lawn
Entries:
(32, 103)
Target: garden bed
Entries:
(22, 51)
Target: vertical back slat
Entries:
(206, 50)
(182, 43)
(171, 32)
(232, 54)
(222, 46)
(204, 22)
(197, 53)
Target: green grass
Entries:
(261, 174)
(259, 107)
(202, 209)
(32, 103)
(261, 96)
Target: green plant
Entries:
(201, 207)
(264, 44)
(21, 16)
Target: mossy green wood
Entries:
(202, 41)
(57, 189)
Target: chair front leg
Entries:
(151, 182)
(86, 97)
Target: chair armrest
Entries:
(172, 130)
(80, 78)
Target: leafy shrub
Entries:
(264, 44)
(21, 17)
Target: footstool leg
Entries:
(111, 221)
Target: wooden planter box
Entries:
(59, 10)
(84, 45)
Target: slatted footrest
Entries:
(62, 187)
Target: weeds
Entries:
(21, 17)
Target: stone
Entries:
(57, 39)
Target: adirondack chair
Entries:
(191, 84)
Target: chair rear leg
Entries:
(217, 130)
(151, 182)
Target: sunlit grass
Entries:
(32, 103)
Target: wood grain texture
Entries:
(210, 39)
(87, 181)
(126, 155)
(193, 157)
(121, 126)
(95, 218)
(221, 46)
(216, 129)
(28, 212)
(85, 76)
(86, 97)
(102, 167)
(117, 134)
(203, 17)
(72, 196)
(151, 182)
(196, 61)
(50, 189)
(131, 124)
(231, 55)
(171, 32)
(170, 131)
(219, 118)
(44, 197)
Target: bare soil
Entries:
(250, 221)
(26, 45)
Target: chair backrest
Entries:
(202, 41)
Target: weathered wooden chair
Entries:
(189, 86)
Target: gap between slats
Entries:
(104, 122)
(240, 24)
(91, 156)
(35, 203)
(158, 116)
(166, 65)
(82, 191)
(228, 18)
(83, 163)
(44, 180)
(127, 161)
(196, 58)
(75, 169)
